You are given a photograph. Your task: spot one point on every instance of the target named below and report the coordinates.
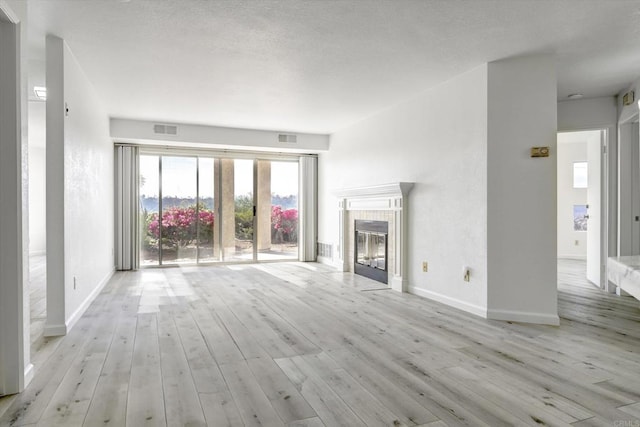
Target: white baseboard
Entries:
(37, 253)
(452, 302)
(73, 319)
(524, 317)
(329, 261)
(576, 257)
(28, 374)
(55, 330)
(62, 329)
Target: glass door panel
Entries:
(277, 191)
(149, 185)
(237, 209)
(178, 223)
(208, 251)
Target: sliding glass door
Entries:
(197, 209)
(277, 214)
(177, 227)
(176, 209)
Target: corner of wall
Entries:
(521, 190)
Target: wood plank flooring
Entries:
(293, 344)
(38, 300)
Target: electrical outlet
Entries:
(466, 271)
(425, 266)
(577, 242)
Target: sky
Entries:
(179, 176)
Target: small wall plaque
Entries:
(628, 98)
(539, 151)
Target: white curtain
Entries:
(308, 205)
(126, 192)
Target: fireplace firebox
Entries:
(370, 254)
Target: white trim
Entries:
(574, 257)
(73, 319)
(400, 284)
(37, 253)
(62, 329)
(392, 189)
(451, 302)
(330, 262)
(14, 309)
(55, 330)
(29, 372)
(524, 317)
(370, 204)
(8, 13)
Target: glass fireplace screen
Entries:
(371, 249)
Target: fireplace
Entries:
(370, 251)
(386, 203)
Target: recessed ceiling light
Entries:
(575, 96)
(41, 92)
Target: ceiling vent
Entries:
(283, 137)
(165, 129)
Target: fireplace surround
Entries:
(387, 202)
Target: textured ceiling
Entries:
(320, 65)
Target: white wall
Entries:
(437, 140)
(37, 179)
(479, 200)
(200, 136)
(521, 198)
(79, 185)
(587, 114)
(568, 154)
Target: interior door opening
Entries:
(580, 206)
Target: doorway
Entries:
(200, 209)
(581, 206)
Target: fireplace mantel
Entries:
(391, 197)
(394, 189)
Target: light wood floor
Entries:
(301, 345)
(38, 300)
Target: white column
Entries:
(56, 320)
(14, 350)
(343, 227)
(399, 280)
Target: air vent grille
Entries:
(283, 137)
(325, 250)
(165, 129)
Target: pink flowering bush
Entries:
(181, 225)
(284, 224)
